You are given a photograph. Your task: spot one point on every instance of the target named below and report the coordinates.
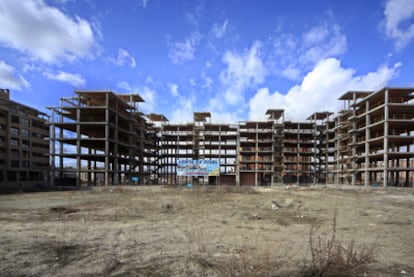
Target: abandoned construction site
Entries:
(137, 195)
(102, 138)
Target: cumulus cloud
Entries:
(399, 24)
(243, 70)
(183, 110)
(147, 92)
(10, 79)
(43, 32)
(75, 80)
(183, 51)
(173, 89)
(323, 41)
(124, 58)
(319, 90)
(207, 81)
(294, 55)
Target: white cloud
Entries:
(147, 92)
(173, 89)
(44, 32)
(195, 16)
(62, 2)
(294, 55)
(291, 73)
(75, 80)
(218, 31)
(9, 79)
(262, 101)
(315, 35)
(183, 110)
(399, 24)
(208, 81)
(124, 58)
(322, 42)
(143, 3)
(319, 90)
(181, 52)
(244, 70)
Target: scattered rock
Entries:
(63, 210)
(255, 216)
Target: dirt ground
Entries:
(163, 231)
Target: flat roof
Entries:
(97, 96)
(201, 116)
(275, 113)
(131, 97)
(157, 117)
(349, 95)
(394, 92)
(320, 115)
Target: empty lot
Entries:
(166, 231)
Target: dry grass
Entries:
(205, 231)
(330, 257)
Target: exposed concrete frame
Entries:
(106, 129)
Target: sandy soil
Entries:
(160, 231)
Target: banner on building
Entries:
(190, 167)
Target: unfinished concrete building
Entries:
(24, 161)
(323, 146)
(260, 150)
(153, 149)
(200, 139)
(369, 142)
(376, 138)
(97, 137)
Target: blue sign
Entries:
(198, 167)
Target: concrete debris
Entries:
(255, 216)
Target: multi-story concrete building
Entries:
(375, 138)
(24, 161)
(369, 142)
(97, 135)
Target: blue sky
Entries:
(234, 58)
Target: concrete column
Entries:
(238, 157)
(52, 149)
(297, 154)
(338, 153)
(407, 165)
(61, 166)
(397, 172)
(94, 174)
(273, 155)
(115, 154)
(367, 149)
(354, 127)
(89, 167)
(256, 155)
(78, 147)
(386, 131)
(315, 161)
(107, 166)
